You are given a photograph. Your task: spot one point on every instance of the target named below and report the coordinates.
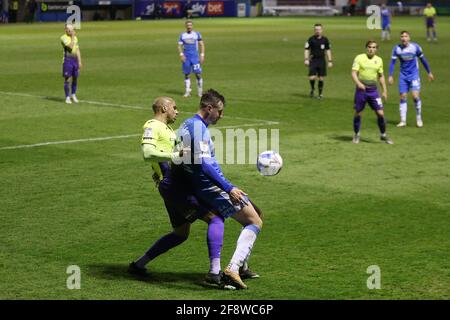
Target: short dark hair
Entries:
(318, 25)
(404, 31)
(368, 43)
(211, 97)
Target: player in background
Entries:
(386, 17)
(316, 48)
(188, 47)
(408, 53)
(212, 188)
(430, 19)
(158, 143)
(71, 62)
(367, 70)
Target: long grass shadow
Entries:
(54, 99)
(348, 138)
(166, 278)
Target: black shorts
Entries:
(181, 205)
(317, 67)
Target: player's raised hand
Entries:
(391, 80)
(237, 196)
(430, 77)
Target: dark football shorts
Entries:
(182, 206)
(317, 67)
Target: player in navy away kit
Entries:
(211, 187)
(408, 53)
(188, 46)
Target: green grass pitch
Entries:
(334, 210)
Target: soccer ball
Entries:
(269, 163)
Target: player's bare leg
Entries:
(403, 110)
(418, 105)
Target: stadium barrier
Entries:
(299, 7)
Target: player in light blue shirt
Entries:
(385, 23)
(408, 53)
(204, 174)
(189, 45)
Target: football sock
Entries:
(418, 105)
(200, 83)
(382, 124)
(356, 124)
(403, 110)
(187, 83)
(320, 86)
(312, 83)
(74, 85)
(215, 241)
(66, 88)
(244, 246)
(159, 247)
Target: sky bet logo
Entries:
(200, 8)
(215, 8)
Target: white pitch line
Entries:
(67, 142)
(125, 106)
(42, 144)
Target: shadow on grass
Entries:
(348, 138)
(55, 99)
(166, 278)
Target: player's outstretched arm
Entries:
(150, 153)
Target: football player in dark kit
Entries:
(316, 48)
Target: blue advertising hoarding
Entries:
(146, 9)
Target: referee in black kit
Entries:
(315, 49)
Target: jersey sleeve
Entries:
(380, 70)
(308, 44)
(327, 44)
(65, 41)
(150, 135)
(419, 52)
(208, 163)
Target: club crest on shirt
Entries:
(322, 46)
